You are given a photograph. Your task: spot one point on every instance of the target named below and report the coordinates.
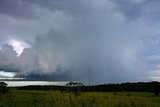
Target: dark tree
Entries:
(156, 87)
(3, 87)
(74, 87)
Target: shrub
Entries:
(3, 88)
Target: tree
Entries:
(155, 87)
(74, 87)
(3, 87)
(74, 84)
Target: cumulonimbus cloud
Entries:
(89, 41)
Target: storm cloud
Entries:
(95, 41)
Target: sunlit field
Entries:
(28, 98)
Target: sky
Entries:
(98, 41)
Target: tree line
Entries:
(153, 87)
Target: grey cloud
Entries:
(8, 58)
(17, 9)
(24, 20)
(146, 9)
(88, 58)
(69, 6)
(89, 41)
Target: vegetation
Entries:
(52, 98)
(3, 88)
(152, 87)
(77, 95)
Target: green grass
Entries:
(24, 98)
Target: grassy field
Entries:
(23, 98)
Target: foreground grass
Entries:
(23, 98)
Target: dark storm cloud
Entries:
(80, 59)
(72, 6)
(17, 9)
(134, 9)
(88, 40)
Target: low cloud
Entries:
(8, 58)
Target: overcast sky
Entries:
(85, 40)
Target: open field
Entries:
(26, 98)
